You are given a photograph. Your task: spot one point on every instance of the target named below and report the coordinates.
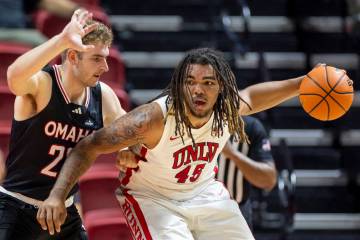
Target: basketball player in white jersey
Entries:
(173, 194)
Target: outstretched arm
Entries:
(23, 73)
(139, 126)
(266, 95)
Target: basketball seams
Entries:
(328, 107)
(327, 76)
(339, 93)
(327, 93)
(344, 79)
(316, 105)
(344, 93)
(316, 83)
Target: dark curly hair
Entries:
(226, 108)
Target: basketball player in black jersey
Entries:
(242, 165)
(55, 107)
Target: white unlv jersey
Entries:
(175, 169)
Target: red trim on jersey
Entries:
(143, 152)
(138, 214)
(61, 87)
(127, 177)
(124, 213)
(216, 169)
(129, 171)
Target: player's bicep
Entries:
(135, 127)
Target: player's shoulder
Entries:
(106, 91)
(250, 121)
(111, 107)
(104, 87)
(253, 125)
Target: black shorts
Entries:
(18, 221)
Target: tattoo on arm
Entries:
(130, 129)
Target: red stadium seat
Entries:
(8, 53)
(115, 77)
(123, 98)
(7, 107)
(107, 159)
(87, 3)
(50, 25)
(4, 140)
(109, 224)
(97, 188)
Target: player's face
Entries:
(201, 91)
(93, 64)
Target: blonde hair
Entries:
(101, 33)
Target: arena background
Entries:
(318, 194)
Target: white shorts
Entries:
(210, 215)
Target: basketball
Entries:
(326, 93)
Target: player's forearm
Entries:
(124, 132)
(259, 174)
(263, 96)
(79, 160)
(34, 60)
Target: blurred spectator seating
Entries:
(107, 224)
(8, 53)
(50, 25)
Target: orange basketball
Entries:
(326, 93)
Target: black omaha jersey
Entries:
(258, 150)
(40, 144)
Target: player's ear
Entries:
(73, 56)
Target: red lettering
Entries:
(191, 154)
(183, 175)
(202, 156)
(179, 157)
(131, 220)
(212, 150)
(126, 208)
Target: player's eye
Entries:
(189, 82)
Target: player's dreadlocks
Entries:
(227, 105)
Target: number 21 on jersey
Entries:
(58, 152)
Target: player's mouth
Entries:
(199, 103)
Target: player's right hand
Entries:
(76, 29)
(228, 151)
(51, 214)
(126, 159)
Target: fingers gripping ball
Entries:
(326, 93)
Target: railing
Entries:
(240, 45)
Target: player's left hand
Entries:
(76, 29)
(126, 159)
(51, 214)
